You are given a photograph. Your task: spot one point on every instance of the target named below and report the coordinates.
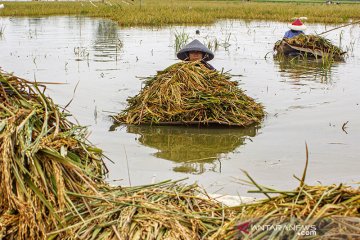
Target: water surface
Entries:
(304, 103)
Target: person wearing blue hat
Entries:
(196, 51)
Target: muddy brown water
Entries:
(304, 102)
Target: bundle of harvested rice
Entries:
(324, 212)
(310, 44)
(43, 157)
(190, 93)
(166, 210)
(329, 212)
(314, 42)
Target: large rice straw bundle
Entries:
(314, 42)
(313, 45)
(166, 210)
(326, 212)
(42, 158)
(190, 93)
(333, 212)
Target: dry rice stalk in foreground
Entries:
(42, 158)
(167, 210)
(326, 212)
(190, 93)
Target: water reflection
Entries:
(107, 44)
(195, 150)
(298, 70)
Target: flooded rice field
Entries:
(100, 65)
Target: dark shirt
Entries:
(208, 65)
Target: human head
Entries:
(195, 55)
(297, 25)
(195, 46)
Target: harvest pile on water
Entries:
(190, 93)
(314, 44)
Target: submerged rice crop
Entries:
(181, 39)
(190, 93)
(2, 30)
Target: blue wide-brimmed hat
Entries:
(195, 45)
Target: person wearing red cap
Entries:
(296, 28)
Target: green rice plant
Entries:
(341, 36)
(81, 53)
(118, 46)
(2, 30)
(181, 39)
(226, 42)
(212, 44)
(350, 48)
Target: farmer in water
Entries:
(296, 28)
(196, 51)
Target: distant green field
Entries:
(308, 1)
(289, 1)
(170, 12)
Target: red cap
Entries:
(297, 22)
